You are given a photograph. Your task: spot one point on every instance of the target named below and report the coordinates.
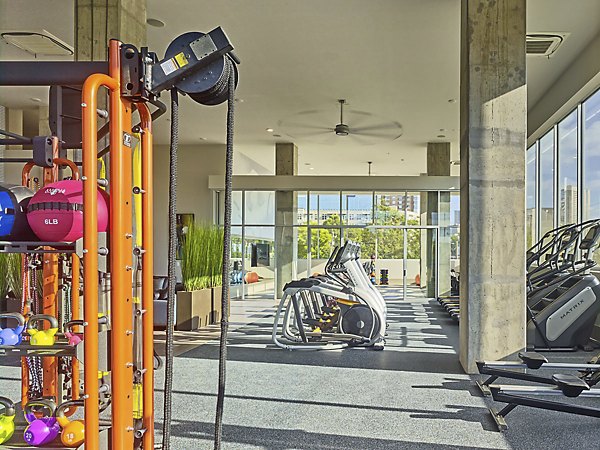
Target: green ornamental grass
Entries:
(202, 256)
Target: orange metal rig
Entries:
(108, 348)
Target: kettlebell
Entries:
(44, 430)
(74, 338)
(73, 431)
(42, 337)
(12, 336)
(7, 420)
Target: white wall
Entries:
(195, 164)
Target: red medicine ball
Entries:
(55, 212)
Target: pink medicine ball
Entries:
(55, 212)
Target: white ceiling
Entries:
(396, 59)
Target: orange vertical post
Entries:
(90, 258)
(50, 289)
(121, 261)
(75, 265)
(147, 275)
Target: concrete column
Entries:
(98, 21)
(286, 213)
(493, 106)
(438, 164)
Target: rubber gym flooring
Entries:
(412, 395)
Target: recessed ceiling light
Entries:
(35, 99)
(276, 135)
(452, 100)
(239, 100)
(307, 164)
(441, 135)
(312, 168)
(155, 22)
(442, 129)
(202, 138)
(270, 130)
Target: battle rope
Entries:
(226, 259)
(168, 387)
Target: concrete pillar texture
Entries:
(493, 103)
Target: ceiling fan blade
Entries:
(355, 118)
(305, 126)
(388, 136)
(382, 126)
(358, 140)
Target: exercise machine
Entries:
(336, 310)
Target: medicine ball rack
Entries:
(110, 276)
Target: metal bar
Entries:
(147, 276)
(48, 73)
(90, 244)
(553, 366)
(121, 262)
(502, 392)
(484, 370)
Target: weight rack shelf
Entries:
(36, 247)
(16, 442)
(38, 350)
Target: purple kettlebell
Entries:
(12, 336)
(44, 430)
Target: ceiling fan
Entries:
(361, 127)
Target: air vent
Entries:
(544, 44)
(38, 43)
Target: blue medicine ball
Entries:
(13, 205)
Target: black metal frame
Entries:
(514, 400)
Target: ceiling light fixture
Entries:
(270, 130)
(202, 138)
(452, 100)
(441, 135)
(312, 168)
(155, 22)
(35, 99)
(276, 135)
(239, 100)
(38, 43)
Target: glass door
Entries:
(406, 260)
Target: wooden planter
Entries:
(193, 309)
(216, 309)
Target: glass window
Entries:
(236, 207)
(591, 158)
(323, 241)
(390, 208)
(357, 209)
(547, 182)
(325, 208)
(412, 201)
(302, 211)
(260, 208)
(531, 200)
(567, 170)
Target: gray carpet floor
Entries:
(412, 395)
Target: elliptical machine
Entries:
(336, 310)
(564, 297)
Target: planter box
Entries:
(193, 309)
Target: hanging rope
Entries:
(225, 268)
(168, 387)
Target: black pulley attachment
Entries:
(208, 85)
